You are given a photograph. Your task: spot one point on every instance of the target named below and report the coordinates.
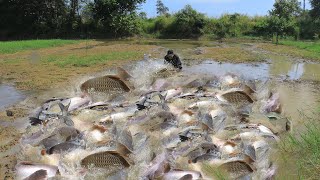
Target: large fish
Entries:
(108, 160)
(237, 169)
(235, 96)
(25, 169)
(105, 84)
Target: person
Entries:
(173, 59)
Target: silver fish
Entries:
(38, 175)
(178, 174)
(24, 169)
(235, 96)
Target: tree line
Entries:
(21, 19)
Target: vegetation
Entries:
(15, 46)
(303, 149)
(303, 49)
(118, 19)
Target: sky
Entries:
(213, 8)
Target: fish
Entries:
(156, 167)
(25, 169)
(237, 169)
(105, 84)
(38, 175)
(106, 160)
(150, 99)
(182, 175)
(235, 96)
(171, 93)
(125, 138)
(63, 147)
(273, 104)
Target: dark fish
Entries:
(63, 147)
(107, 159)
(38, 175)
(105, 84)
(237, 169)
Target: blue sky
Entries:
(213, 8)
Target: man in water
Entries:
(173, 59)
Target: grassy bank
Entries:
(301, 153)
(16, 46)
(302, 49)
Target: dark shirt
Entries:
(174, 60)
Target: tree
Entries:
(282, 18)
(315, 9)
(115, 17)
(188, 23)
(161, 8)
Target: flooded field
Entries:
(296, 81)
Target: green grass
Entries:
(16, 46)
(89, 60)
(304, 150)
(307, 45)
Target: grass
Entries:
(16, 46)
(309, 46)
(302, 49)
(94, 59)
(303, 150)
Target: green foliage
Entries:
(161, 8)
(15, 46)
(315, 9)
(188, 23)
(282, 20)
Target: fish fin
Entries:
(163, 102)
(64, 109)
(35, 121)
(123, 74)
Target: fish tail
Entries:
(64, 109)
(163, 102)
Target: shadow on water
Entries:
(9, 96)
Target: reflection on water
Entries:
(296, 71)
(9, 96)
(248, 71)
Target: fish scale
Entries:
(237, 168)
(105, 84)
(105, 160)
(237, 97)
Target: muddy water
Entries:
(297, 82)
(9, 96)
